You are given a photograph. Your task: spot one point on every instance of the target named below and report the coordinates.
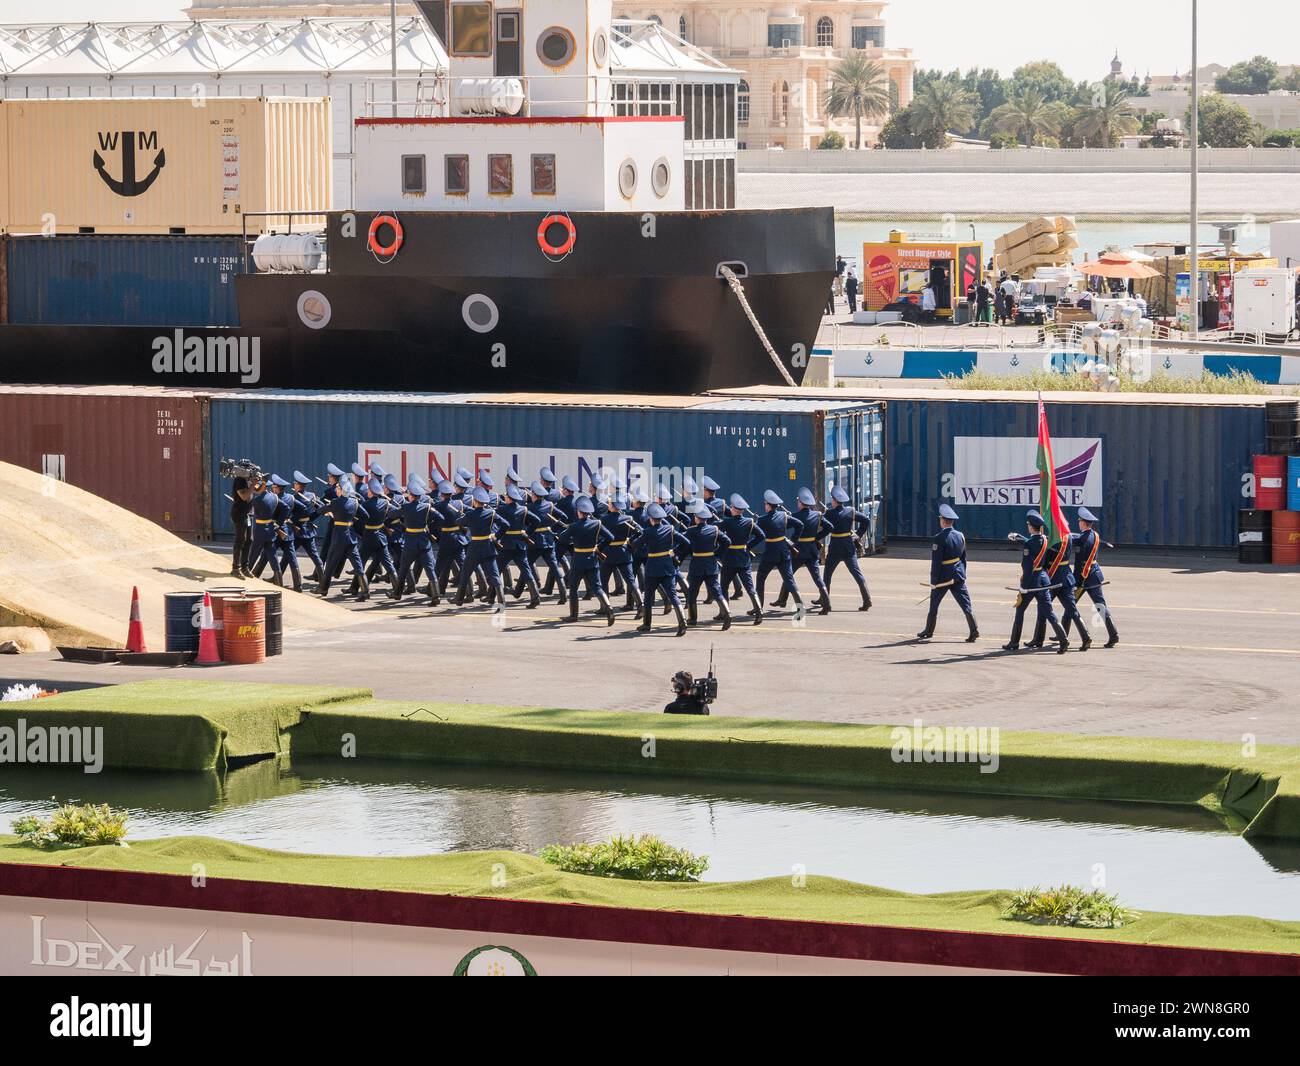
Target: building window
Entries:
(457, 175)
(413, 175)
(868, 36)
(780, 102)
(501, 175)
(656, 20)
(784, 34)
(544, 175)
(825, 32)
(742, 104)
(471, 29)
(681, 28)
(555, 46)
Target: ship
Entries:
(536, 222)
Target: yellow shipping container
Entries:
(4, 170)
(156, 165)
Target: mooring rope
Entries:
(734, 282)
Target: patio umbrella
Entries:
(1116, 266)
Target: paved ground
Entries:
(1210, 649)
(1023, 195)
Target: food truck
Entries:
(898, 270)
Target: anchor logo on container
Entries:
(129, 185)
(1015, 359)
(1168, 363)
(870, 358)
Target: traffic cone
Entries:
(135, 628)
(208, 655)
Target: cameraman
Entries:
(687, 702)
(241, 507)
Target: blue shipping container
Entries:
(93, 279)
(1160, 474)
(746, 445)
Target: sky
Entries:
(1150, 35)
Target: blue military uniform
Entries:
(744, 536)
(415, 513)
(1034, 587)
(807, 548)
(657, 545)
(516, 539)
(332, 473)
(617, 558)
(1087, 575)
(777, 525)
(374, 510)
(1059, 574)
(482, 524)
(304, 509)
(344, 544)
(446, 522)
(708, 544)
(268, 531)
(550, 520)
(846, 525)
(948, 575)
(583, 538)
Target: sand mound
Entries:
(68, 560)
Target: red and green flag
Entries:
(1049, 503)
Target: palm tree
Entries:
(1108, 115)
(1029, 115)
(858, 88)
(941, 106)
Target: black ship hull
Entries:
(472, 302)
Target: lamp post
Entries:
(1193, 250)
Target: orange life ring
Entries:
(552, 249)
(372, 241)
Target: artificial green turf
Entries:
(823, 899)
(1259, 795)
(181, 725)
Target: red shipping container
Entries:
(140, 448)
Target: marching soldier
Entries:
(332, 475)
(583, 538)
(744, 535)
(482, 524)
(267, 533)
(712, 500)
(516, 539)
(1035, 586)
(374, 544)
(948, 574)
(344, 544)
(617, 558)
(446, 520)
(1088, 577)
(549, 522)
(847, 525)
(807, 549)
(305, 508)
(657, 545)
(707, 542)
(1059, 574)
(417, 549)
(777, 524)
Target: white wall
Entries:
(1019, 161)
(1284, 242)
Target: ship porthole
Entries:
(627, 178)
(556, 46)
(600, 48)
(314, 309)
(480, 313)
(661, 176)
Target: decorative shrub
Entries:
(644, 858)
(1069, 905)
(74, 826)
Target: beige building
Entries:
(785, 51)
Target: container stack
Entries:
(1277, 492)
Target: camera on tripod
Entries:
(245, 468)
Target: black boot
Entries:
(692, 617)
(928, 631)
(974, 629)
(573, 607)
(1014, 643)
(824, 603)
(363, 591)
(563, 596)
(866, 597)
(799, 609)
(606, 609)
(756, 610)
(724, 614)
(646, 612)
(681, 620)
(1111, 632)
(534, 593)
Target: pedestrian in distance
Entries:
(851, 290)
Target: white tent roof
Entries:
(303, 46)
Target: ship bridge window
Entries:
(413, 174)
(501, 175)
(544, 174)
(471, 29)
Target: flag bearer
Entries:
(1088, 577)
(948, 574)
(1059, 574)
(657, 545)
(777, 524)
(1034, 587)
(707, 543)
(847, 526)
(742, 531)
(583, 538)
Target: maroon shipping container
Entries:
(140, 448)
